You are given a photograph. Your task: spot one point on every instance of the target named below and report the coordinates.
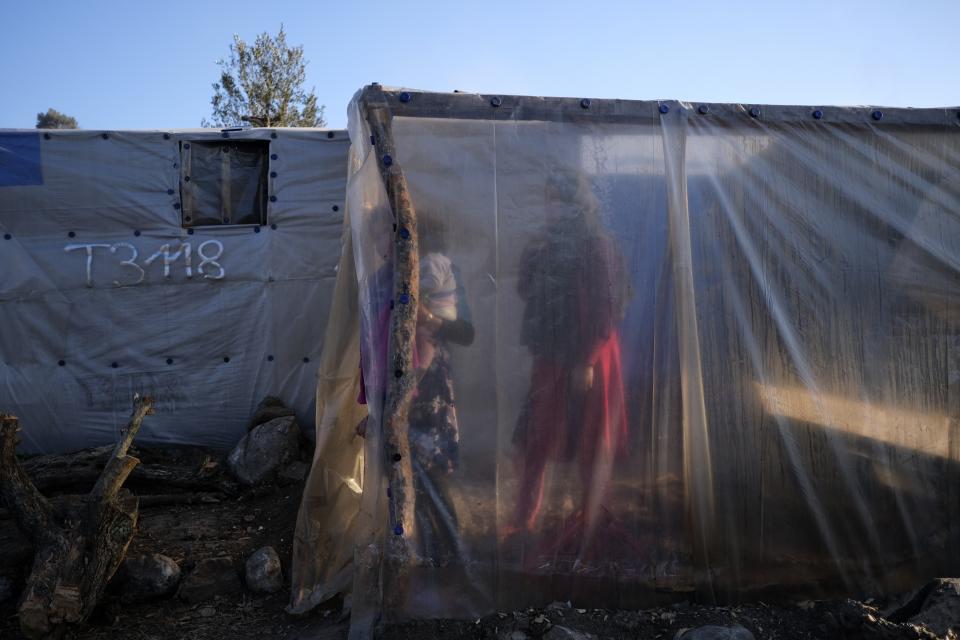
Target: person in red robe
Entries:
(573, 284)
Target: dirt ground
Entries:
(236, 525)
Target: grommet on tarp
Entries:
(396, 457)
(224, 134)
(273, 174)
(271, 279)
(169, 360)
(273, 134)
(137, 233)
(189, 231)
(330, 134)
(185, 178)
(817, 114)
(585, 103)
(226, 358)
(387, 160)
(105, 135)
(703, 109)
(185, 146)
(877, 115)
(404, 96)
(274, 156)
(306, 359)
(398, 530)
(175, 165)
(166, 136)
(61, 363)
(226, 220)
(273, 226)
(754, 112)
(398, 373)
(404, 233)
(269, 358)
(7, 236)
(176, 205)
(336, 208)
(404, 298)
(71, 234)
(46, 136)
(495, 101)
(169, 192)
(256, 229)
(273, 198)
(664, 108)
(114, 365)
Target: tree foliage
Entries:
(53, 119)
(262, 85)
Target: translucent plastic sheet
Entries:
(714, 352)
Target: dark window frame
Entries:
(238, 201)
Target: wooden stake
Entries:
(403, 325)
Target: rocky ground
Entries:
(211, 560)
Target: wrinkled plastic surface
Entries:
(96, 273)
(716, 352)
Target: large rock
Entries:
(940, 611)
(263, 572)
(714, 632)
(148, 577)
(270, 408)
(211, 577)
(265, 449)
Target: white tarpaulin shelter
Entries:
(193, 265)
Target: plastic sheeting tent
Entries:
(193, 265)
(715, 354)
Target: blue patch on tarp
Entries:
(20, 159)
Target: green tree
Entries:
(262, 85)
(53, 119)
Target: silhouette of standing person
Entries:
(573, 285)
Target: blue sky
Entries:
(138, 64)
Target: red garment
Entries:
(562, 423)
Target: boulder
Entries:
(940, 611)
(270, 408)
(148, 577)
(209, 578)
(263, 572)
(264, 450)
(715, 632)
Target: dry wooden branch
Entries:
(79, 545)
(403, 325)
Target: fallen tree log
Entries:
(76, 472)
(79, 543)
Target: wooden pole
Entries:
(403, 324)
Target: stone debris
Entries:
(148, 577)
(263, 572)
(265, 450)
